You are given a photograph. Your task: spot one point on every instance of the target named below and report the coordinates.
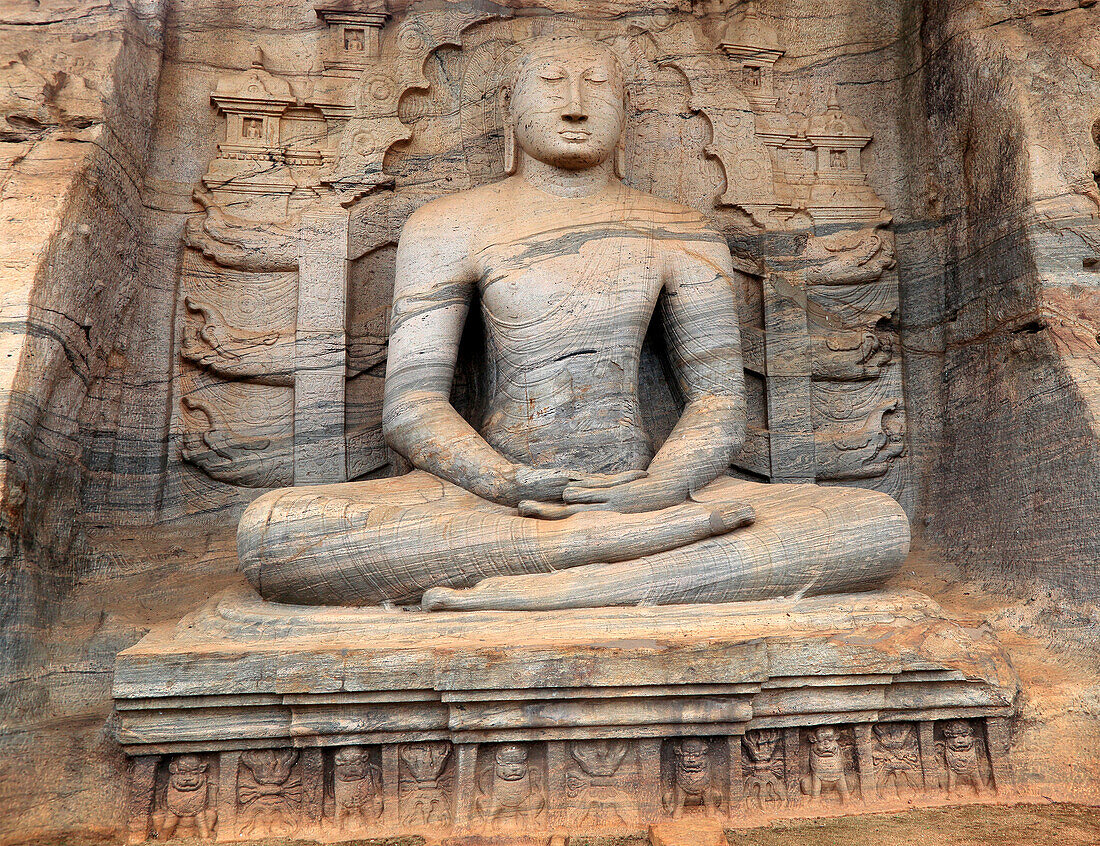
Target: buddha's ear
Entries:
(620, 148)
(510, 163)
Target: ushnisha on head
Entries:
(564, 104)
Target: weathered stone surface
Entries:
(947, 357)
(536, 720)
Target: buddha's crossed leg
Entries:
(805, 538)
(396, 539)
(362, 543)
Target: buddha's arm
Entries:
(704, 344)
(432, 292)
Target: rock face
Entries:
(1003, 309)
(202, 205)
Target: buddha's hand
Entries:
(539, 484)
(626, 493)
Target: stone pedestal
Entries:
(272, 719)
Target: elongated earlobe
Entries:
(620, 148)
(510, 161)
(509, 150)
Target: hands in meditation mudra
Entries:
(559, 500)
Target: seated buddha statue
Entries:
(558, 498)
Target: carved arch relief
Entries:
(309, 214)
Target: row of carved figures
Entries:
(574, 785)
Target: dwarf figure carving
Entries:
(357, 791)
(511, 791)
(826, 765)
(423, 794)
(960, 754)
(186, 799)
(692, 778)
(763, 767)
(895, 758)
(269, 792)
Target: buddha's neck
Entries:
(562, 181)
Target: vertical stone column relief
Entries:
(789, 372)
(320, 348)
(998, 733)
(141, 775)
(228, 765)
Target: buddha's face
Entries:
(566, 103)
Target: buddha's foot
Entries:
(449, 599)
(730, 516)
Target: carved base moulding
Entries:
(249, 719)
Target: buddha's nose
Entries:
(575, 108)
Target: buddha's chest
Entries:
(588, 279)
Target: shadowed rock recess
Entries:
(549, 422)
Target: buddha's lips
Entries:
(574, 134)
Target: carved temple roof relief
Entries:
(777, 164)
(298, 155)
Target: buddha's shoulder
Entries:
(461, 211)
(676, 216)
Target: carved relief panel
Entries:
(357, 800)
(506, 789)
(511, 786)
(831, 773)
(288, 268)
(426, 784)
(763, 766)
(600, 782)
(269, 792)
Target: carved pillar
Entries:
(865, 760)
(998, 736)
(141, 787)
(930, 764)
(792, 765)
(228, 765)
(557, 799)
(649, 780)
(320, 348)
(313, 788)
(737, 781)
(789, 371)
(390, 787)
(465, 783)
